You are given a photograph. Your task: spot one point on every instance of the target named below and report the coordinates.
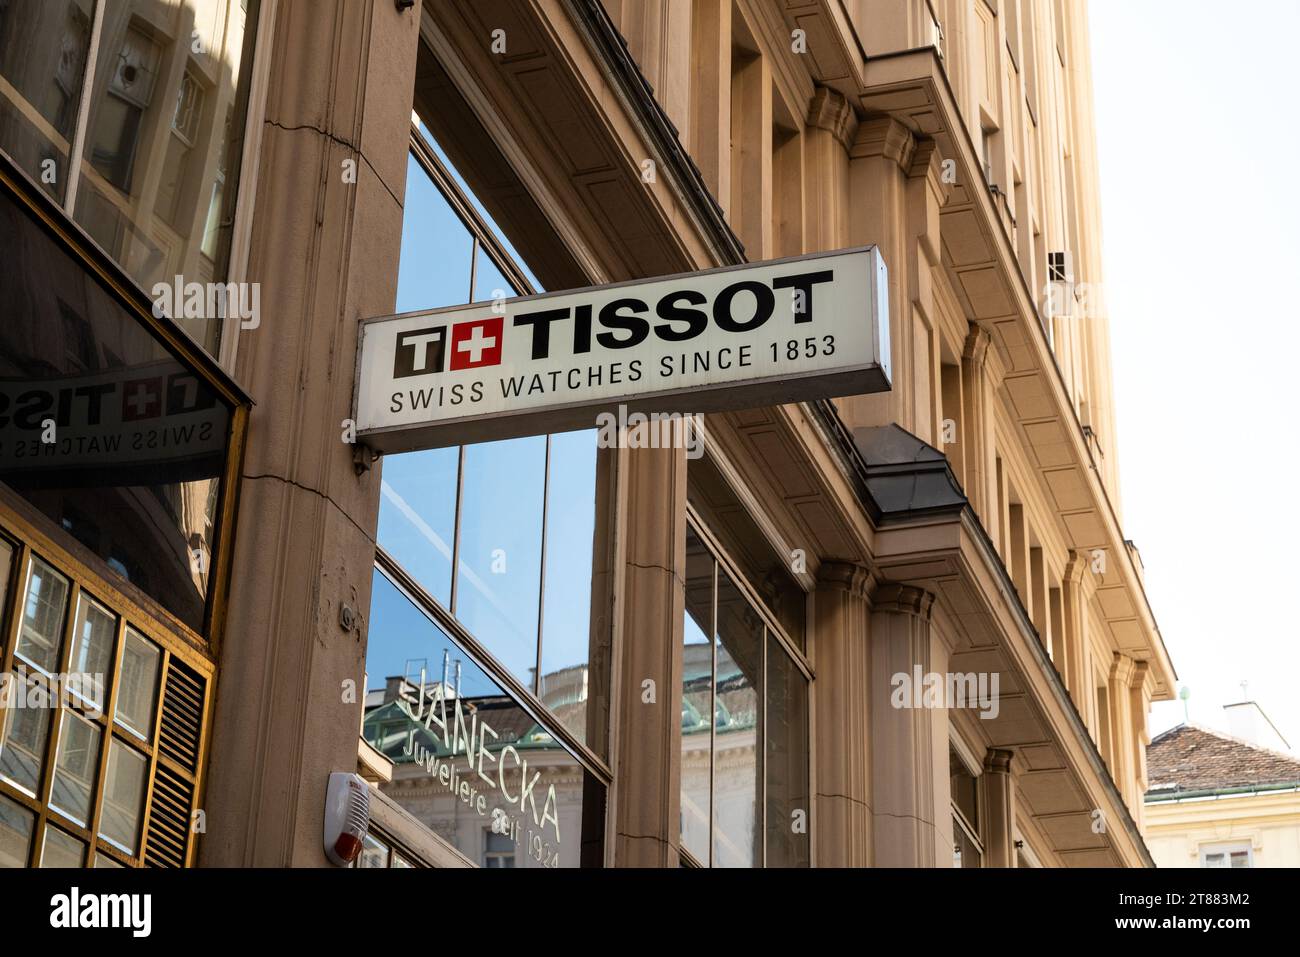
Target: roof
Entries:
(1191, 759)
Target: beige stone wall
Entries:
(1269, 824)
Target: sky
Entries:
(1198, 142)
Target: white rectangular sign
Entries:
(760, 334)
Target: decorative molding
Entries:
(884, 136)
(998, 760)
(928, 162)
(849, 577)
(829, 110)
(899, 599)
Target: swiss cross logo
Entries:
(141, 399)
(476, 344)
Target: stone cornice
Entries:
(829, 110)
(902, 599)
(884, 136)
(998, 760)
(848, 577)
(927, 162)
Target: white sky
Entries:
(1197, 138)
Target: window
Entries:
(1228, 855)
(1058, 267)
(967, 849)
(498, 850)
(501, 535)
(468, 754)
(156, 153)
(744, 704)
(377, 851)
(16, 826)
(75, 779)
(136, 473)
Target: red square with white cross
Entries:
(476, 344)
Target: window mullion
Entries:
(83, 109)
(713, 709)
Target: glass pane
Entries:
(964, 789)
(466, 757)
(119, 821)
(75, 766)
(16, 823)
(106, 862)
(697, 698)
(43, 47)
(499, 563)
(567, 631)
(489, 282)
(137, 694)
(92, 651)
(400, 863)
(767, 572)
(40, 638)
(1241, 859)
(26, 730)
(62, 850)
(417, 516)
(737, 824)
(374, 853)
(437, 249)
(478, 205)
(965, 853)
(163, 140)
(785, 729)
(141, 444)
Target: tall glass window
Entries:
(744, 758)
(158, 125)
(487, 552)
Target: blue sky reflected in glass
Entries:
(402, 640)
(566, 609)
(417, 516)
(482, 211)
(437, 249)
(500, 559)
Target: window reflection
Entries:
(744, 762)
(43, 49)
(16, 824)
(499, 567)
(162, 140)
(736, 838)
(697, 700)
(567, 685)
(140, 441)
(437, 249)
(468, 761)
(417, 515)
(163, 125)
(495, 512)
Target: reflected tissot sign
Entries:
(759, 334)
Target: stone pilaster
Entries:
(842, 699)
(903, 778)
(999, 824)
(339, 96)
(646, 794)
